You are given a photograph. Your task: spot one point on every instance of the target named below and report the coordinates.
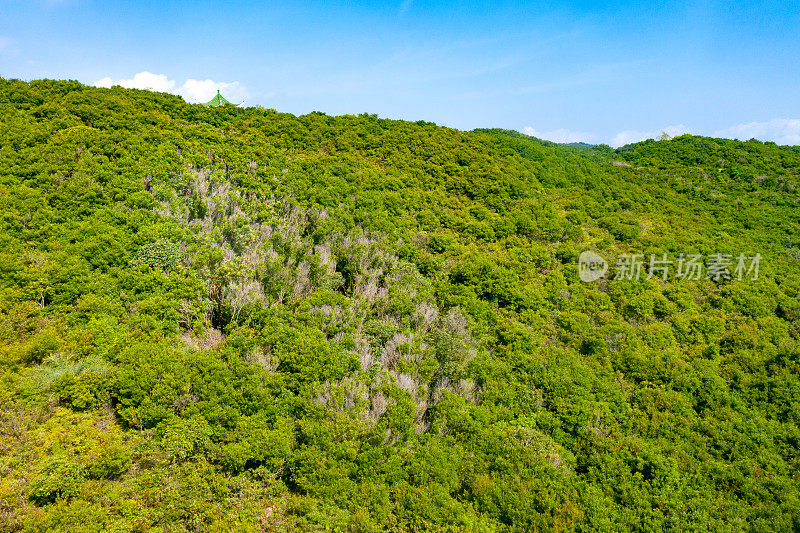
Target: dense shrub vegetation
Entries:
(216, 319)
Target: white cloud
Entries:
(778, 130)
(634, 136)
(204, 90)
(784, 131)
(142, 80)
(105, 83)
(560, 135)
(191, 90)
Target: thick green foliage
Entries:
(239, 319)
(161, 254)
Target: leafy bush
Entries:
(159, 255)
(59, 478)
(240, 319)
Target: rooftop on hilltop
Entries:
(218, 101)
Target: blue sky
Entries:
(610, 72)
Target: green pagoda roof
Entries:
(217, 101)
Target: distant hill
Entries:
(580, 145)
(241, 319)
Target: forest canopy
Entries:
(235, 318)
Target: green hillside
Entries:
(219, 319)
